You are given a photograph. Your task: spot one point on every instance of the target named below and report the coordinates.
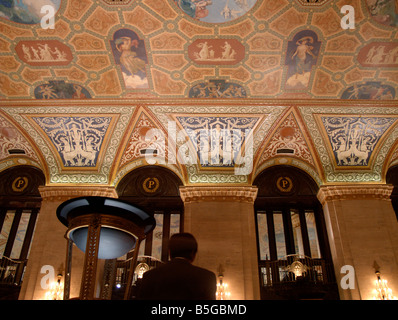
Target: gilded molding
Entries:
(205, 193)
(354, 192)
(63, 193)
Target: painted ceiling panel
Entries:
(267, 41)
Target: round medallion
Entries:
(284, 184)
(20, 184)
(150, 185)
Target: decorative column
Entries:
(223, 222)
(48, 246)
(363, 233)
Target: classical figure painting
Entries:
(130, 54)
(384, 11)
(217, 89)
(353, 139)
(44, 53)
(215, 11)
(26, 11)
(59, 89)
(216, 51)
(301, 56)
(379, 54)
(371, 90)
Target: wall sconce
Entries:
(297, 267)
(141, 269)
(222, 292)
(56, 290)
(382, 291)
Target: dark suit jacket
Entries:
(178, 280)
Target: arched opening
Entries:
(20, 203)
(293, 249)
(155, 190)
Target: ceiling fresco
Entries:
(91, 89)
(168, 49)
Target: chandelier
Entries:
(56, 290)
(222, 292)
(382, 291)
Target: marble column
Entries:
(48, 248)
(223, 222)
(363, 233)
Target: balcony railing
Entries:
(297, 277)
(11, 271)
(11, 275)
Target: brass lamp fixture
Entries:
(103, 228)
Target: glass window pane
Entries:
(297, 236)
(31, 240)
(263, 241)
(174, 223)
(20, 236)
(279, 235)
(312, 234)
(157, 237)
(5, 231)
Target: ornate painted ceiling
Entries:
(217, 91)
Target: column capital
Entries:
(354, 192)
(211, 193)
(63, 193)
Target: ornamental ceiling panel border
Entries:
(289, 144)
(58, 172)
(374, 173)
(268, 116)
(145, 135)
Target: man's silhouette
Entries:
(179, 279)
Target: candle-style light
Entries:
(382, 291)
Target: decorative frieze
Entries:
(354, 192)
(235, 194)
(58, 193)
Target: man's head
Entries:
(183, 245)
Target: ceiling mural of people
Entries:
(384, 12)
(129, 52)
(215, 11)
(160, 49)
(26, 11)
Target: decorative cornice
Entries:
(206, 193)
(49, 193)
(354, 192)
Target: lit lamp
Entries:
(297, 267)
(141, 269)
(222, 292)
(56, 290)
(103, 228)
(382, 291)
